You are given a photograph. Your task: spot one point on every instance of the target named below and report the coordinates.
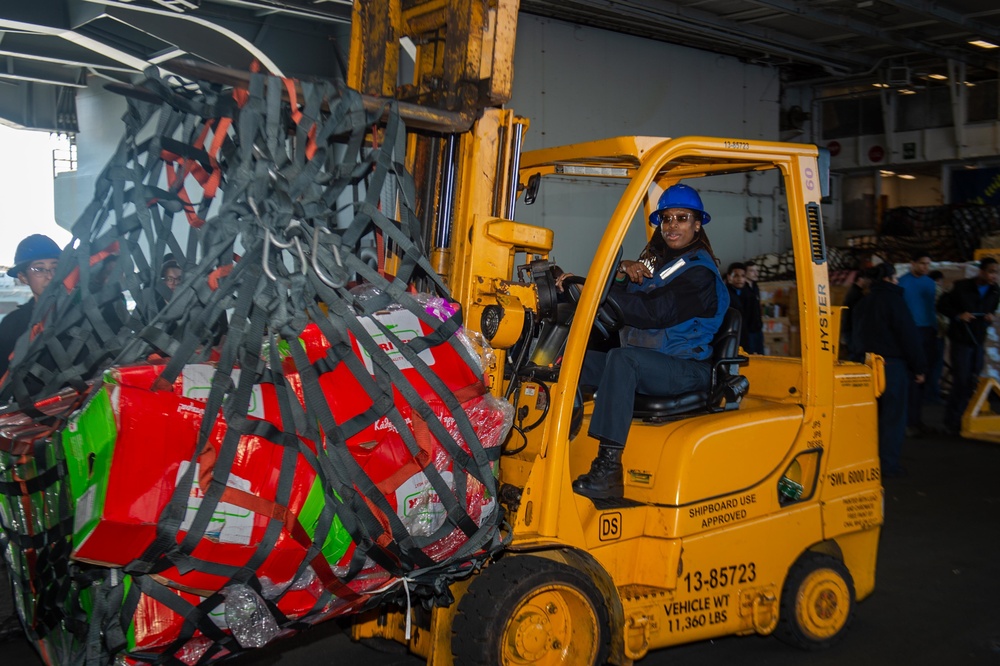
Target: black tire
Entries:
(530, 610)
(817, 603)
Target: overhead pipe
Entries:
(414, 115)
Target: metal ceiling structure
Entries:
(835, 40)
(50, 47)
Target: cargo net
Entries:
(774, 266)
(946, 233)
(289, 436)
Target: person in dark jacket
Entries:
(755, 340)
(882, 324)
(744, 298)
(35, 262)
(858, 290)
(969, 306)
(935, 364)
(673, 300)
(172, 275)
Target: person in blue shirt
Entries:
(970, 306)
(920, 294)
(673, 300)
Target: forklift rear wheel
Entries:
(531, 610)
(817, 604)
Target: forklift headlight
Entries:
(489, 323)
(502, 323)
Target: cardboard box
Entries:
(776, 344)
(133, 448)
(128, 452)
(775, 325)
(775, 297)
(155, 626)
(380, 448)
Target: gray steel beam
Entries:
(864, 29)
(934, 10)
(59, 23)
(51, 13)
(56, 51)
(57, 75)
(669, 15)
(35, 106)
(191, 33)
(294, 46)
(286, 9)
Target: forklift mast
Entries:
(456, 56)
(762, 516)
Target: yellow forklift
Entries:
(755, 508)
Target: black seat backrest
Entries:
(727, 387)
(726, 343)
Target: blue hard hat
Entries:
(33, 248)
(679, 196)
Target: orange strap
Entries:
(209, 180)
(74, 276)
(218, 274)
(297, 116)
(271, 509)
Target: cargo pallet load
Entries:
(175, 498)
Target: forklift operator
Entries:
(673, 300)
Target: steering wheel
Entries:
(610, 318)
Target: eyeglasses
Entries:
(172, 280)
(680, 218)
(41, 270)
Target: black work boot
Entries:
(605, 480)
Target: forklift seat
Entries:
(727, 387)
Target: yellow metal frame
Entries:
(706, 506)
(979, 421)
(704, 547)
(651, 160)
(983, 252)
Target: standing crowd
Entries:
(910, 321)
(35, 262)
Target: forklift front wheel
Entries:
(531, 610)
(817, 604)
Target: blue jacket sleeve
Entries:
(691, 294)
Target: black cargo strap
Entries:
(300, 205)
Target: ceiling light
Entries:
(907, 91)
(983, 44)
(937, 77)
(969, 84)
(886, 173)
(906, 176)
(881, 85)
